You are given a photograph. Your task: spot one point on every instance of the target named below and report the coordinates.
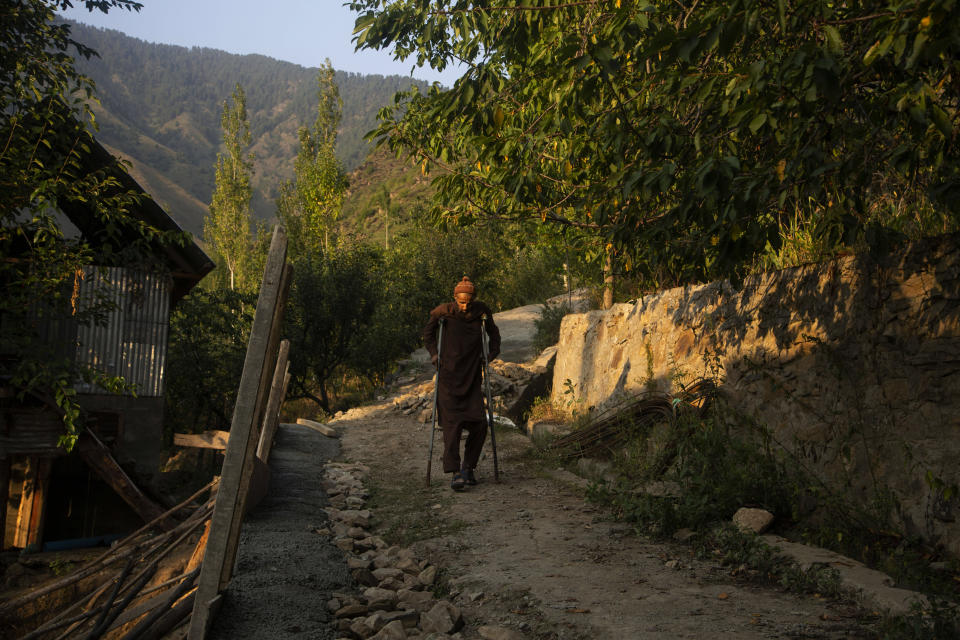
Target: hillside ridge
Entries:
(160, 107)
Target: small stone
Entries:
(416, 600)
(356, 562)
(755, 520)
(356, 517)
(393, 584)
(682, 535)
(408, 565)
(376, 621)
(473, 597)
(498, 633)
(393, 631)
(366, 544)
(365, 577)
(428, 576)
(443, 617)
(345, 544)
(426, 416)
(412, 582)
(387, 572)
(408, 618)
(351, 611)
(378, 598)
(360, 629)
(333, 604)
(672, 564)
(383, 560)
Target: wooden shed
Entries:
(123, 440)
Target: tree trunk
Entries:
(324, 398)
(608, 279)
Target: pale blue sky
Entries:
(302, 31)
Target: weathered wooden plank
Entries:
(4, 498)
(220, 555)
(277, 392)
(330, 432)
(212, 439)
(253, 465)
(22, 527)
(99, 459)
(33, 497)
(197, 556)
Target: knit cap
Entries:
(464, 286)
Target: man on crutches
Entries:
(459, 358)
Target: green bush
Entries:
(209, 331)
(719, 469)
(547, 326)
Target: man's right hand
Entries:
(435, 360)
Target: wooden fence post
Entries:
(221, 553)
(277, 393)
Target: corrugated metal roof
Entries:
(130, 338)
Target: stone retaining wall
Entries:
(853, 364)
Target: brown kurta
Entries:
(460, 386)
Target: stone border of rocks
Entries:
(396, 602)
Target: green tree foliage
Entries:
(310, 204)
(428, 262)
(209, 331)
(684, 136)
(227, 228)
(45, 152)
(385, 208)
(332, 303)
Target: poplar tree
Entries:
(311, 204)
(227, 228)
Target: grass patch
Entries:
(705, 467)
(406, 511)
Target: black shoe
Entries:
(469, 477)
(458, 483)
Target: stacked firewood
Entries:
(127, 591)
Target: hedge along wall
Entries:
(853, 364)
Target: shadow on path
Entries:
(285, 572)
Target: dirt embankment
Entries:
(529, 553)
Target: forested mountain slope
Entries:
(161, 105)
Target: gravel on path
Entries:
(286, 572)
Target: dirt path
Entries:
(530, 554)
